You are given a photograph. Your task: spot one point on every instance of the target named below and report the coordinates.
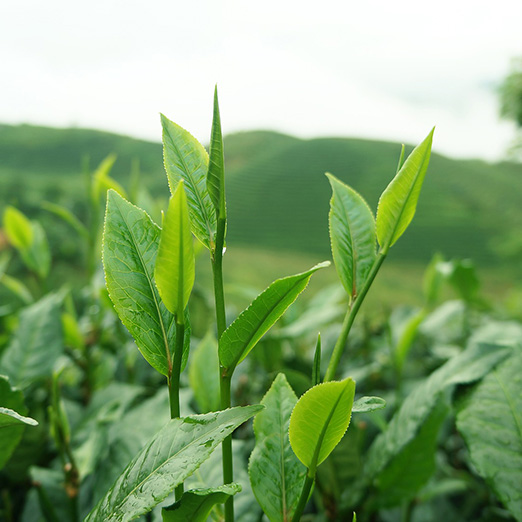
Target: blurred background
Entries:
(304, 89)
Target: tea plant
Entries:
(116, 456)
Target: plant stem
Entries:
(350, 317)
(224, 379)
(173, 382)
(303, 499)
(217, 272)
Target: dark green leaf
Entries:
(167, 460)
(195, 505)
(185, 158)
(276, 474)
(17, 287)
(10, 437)
(67, 216)
(175, 262)
(398, 202)
(407, 423)
(418, 457)
(37, 343)
(216, 166)
(130, 245)
(244, 333)
(319, 421)
(490, 420)
(352, 235)
(10, 418)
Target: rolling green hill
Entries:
(277, 192)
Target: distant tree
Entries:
(511, 94)
(511, 101)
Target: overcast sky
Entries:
(379, 69)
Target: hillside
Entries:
(276, 189)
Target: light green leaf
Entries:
(316, 368)
(490, 420)
(319, 421)
(10, 417)
(172, 455)
(37, 343)
(17, 287)
(352, 235)
(203, 374)
(406, 425)
(13, 400)
(67, 216)
(368, 404)
(38, 256)
(432, 280)
(195, 505)
(216, 166)
(175, 262)
(244, 333)
(185, 158)
(276, 474)
(102, 182)
(17, 228)
(398, 202)
(130, 245)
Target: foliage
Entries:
(92, 430)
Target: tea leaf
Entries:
(11, 400)
(37, 343)
(216, 166)
(418, 457)
(203, 374)
(38, 256)
(10, 417)
(67, 216)
(320, 419)
(17, 287)
(172, 455)
(17, 228)
(398, 202)
(368, 404)
(244, 333)
(316, 368)
(195, 505)
(185, 158)
(130, 245)
(352, 235)
(275, 473)
(490, 420)
(471, 365)
(102, 182)
(175, 262)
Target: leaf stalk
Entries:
(350, 317)
(303, 499)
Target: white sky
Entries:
(376, 68)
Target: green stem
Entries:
(173, 382)
(228, 467)
(303, 499)
(217, 271)
(225, 380)
(350, 317)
